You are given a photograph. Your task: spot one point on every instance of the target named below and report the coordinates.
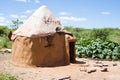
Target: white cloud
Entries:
(2, 19)
(22, 0)
(14, 16)
(64, 22)
(18, 16)
(72, 18)
(64, 13)
(105, 12)
(3, 24)
(37, 1)
(7, 21)
(28, 11)
(23, 16)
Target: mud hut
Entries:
(42, 41)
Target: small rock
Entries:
(98, 62)
(98, 65)
(104, 70)
(91, 70)
(114, 64)
(105, 65)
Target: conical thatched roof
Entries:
(41, 22)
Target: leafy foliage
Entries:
(4, 41)
(100, 33)
(16, 23)
(7, 77)
(112, 34)
(97, 43)
(80, 33)
(4, 30)
(98, 49)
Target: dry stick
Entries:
(68, 77)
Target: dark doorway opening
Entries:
(72, 52)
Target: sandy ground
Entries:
(70, 72)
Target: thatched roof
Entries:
(41, 22)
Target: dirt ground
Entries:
(84, 69)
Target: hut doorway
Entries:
(72, 51)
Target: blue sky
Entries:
(77, 13)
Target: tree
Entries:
(4, 30)
(16, 23)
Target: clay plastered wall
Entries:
(36, 52)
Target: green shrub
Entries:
(8, 44)
(4, 30)
(2, 42)
(101, 33)
(98, 49)
(7, 77)
(5, 42)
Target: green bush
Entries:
(5, 42)
(98, 48)
(8, 45)
(4, 30)
(7, 77)
(2, 42)
(101, 33)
